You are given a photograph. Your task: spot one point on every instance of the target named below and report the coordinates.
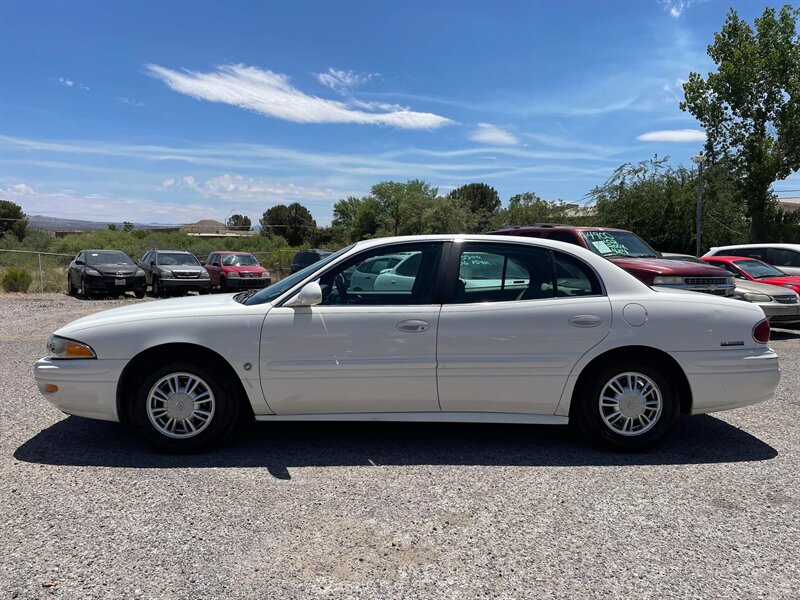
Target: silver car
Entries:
(780, 305)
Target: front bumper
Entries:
(108, 283)
(781, 313)
(86, 388)
(730, 378)
(247, 283)
(185, 285)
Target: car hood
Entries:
(666, 266)
(761, 288)
(174, 308)
(244, 269)
(790, 279)
(115, 269)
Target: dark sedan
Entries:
(104, 272)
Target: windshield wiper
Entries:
(242, 297)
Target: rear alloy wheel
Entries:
(629, 406)
(183, 407)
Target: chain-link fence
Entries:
(48, 270)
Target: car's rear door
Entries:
(505, 349)
(362, 351)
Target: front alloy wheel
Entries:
(183, 406)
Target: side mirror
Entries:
(202, 263)
(152, 263)
(309, 295)
(78, 262)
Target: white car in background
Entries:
(784, 256)
(364, 275)
(582, 341)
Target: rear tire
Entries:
(627, 406)
(183, 406)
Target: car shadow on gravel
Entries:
(785, 334)
(279, 447)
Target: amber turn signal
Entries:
(50, 387)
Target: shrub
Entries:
(16, 280)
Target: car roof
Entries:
(723, 258)
(168, 250)
(104, 250)
(737, 246)
(229, 252)
(546, 226)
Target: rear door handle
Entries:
(413, 326)
(585, 321)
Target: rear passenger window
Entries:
(574, 277)
(503, 273)
(757, 253)
(782, 257)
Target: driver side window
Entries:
(402, 274)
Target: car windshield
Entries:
(618, 243)
(269, 293)
(759, 270)
(107, 258)
(177, 258)
(239, 260)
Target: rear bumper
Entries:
(729, 378)
(86, 388)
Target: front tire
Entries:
(183, 406)
(158, 290)
(627, 406)
(139, 293)
(71, 291)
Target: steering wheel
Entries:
(341, 288)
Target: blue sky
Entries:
(171, 112)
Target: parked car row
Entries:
(165, 272)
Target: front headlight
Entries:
(232, 275)
(58, 347)
(661, 280)
(204, 274)
(754, 297)
(90, 271)
(166, 273)
(139, 272)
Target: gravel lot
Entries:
(390, 511)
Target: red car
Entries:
(755, 270)
(236, 271)
(631, 253)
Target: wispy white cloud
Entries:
(343, 82)
(239, 188)
(486, 133)
(676, 8)
(20, 189)
(272, 94)
(673, 136)
(131, 102)
(66, 82)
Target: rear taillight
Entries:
(761, 332)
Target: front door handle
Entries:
(585, 321)
(413, 326)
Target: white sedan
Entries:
(582, 341)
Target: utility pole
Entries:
(699, 160)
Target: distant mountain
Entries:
(44, 222)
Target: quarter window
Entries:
(574, 277)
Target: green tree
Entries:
(127, 226)
(527, 208)
(403, 205)
(448, 215)
(344, 212)
(112, 227)
(12, 219)
(657, 202)
(368, 219)
(750, 108)
(293, 222)
(479, 199)
(239, 222)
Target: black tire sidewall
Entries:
(226, 411)
(592, 423)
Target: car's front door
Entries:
(213, 267)
(358, 351)
(510, 347)
(144, 264)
